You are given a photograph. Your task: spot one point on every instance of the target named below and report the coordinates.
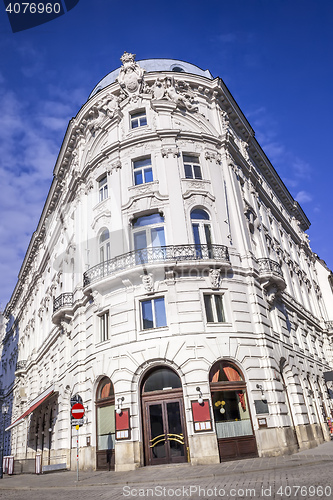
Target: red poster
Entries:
(201, 411)
(122, 420)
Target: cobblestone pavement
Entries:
(305, 475)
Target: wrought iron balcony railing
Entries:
(170, 253)
(20, 365)
(64, 300)
(269, 266)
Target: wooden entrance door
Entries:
(164, 430)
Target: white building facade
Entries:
(169, 287)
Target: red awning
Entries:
(34, 405)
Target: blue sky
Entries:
(274, 55)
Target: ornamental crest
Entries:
(131, 75)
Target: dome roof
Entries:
(152, 65)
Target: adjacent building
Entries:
(169, 287)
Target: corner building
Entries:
(169, 287)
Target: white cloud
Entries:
(303, 197)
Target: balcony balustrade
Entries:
(269, 266)
(170, 253)
(270, 273)
(64, 300)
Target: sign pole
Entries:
(77, 452)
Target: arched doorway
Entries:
(105, 425)
(164, 431)
(232, 416)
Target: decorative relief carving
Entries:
(212, 155)
(148, 282)
(131, 75)
(215, 277)
(177, 91)
(166, 151)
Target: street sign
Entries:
(77, 411)
(77, 421)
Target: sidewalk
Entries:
(161, 474)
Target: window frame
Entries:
(143, 169)
(192, 164)
(104, 247)
(102, 189)
(147, 228)
(138, 114)
(104, 326)
(214, 309)
(152, 301)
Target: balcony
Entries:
(270, 273)
(20, 366)
(329, 327)
(62, 308)
(64, 300)
(165, 254)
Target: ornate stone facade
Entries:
(170, 267)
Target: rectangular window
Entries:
(192, 167)
(103, 189)
(104, 327)
(153, 313)
(143, 171)
(138, 119)
(214, 308)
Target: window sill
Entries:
(157, 328)
(147, 186)
(100, 204)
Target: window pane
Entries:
(160, 312)
(190, 159)
(209, 309)
(142, 163)
(143, 121)
(188, 171)
(135, 123)
(138, 177)
(208, 234)
(147, 314)
(140, 240)
(162, 378)
(197, 171)
(102, 181)
(196, 234)
(219, 308)
(101, 254)
(104, 236)
(199, 214)
(157, 237)
(148, 175)
(146, 220)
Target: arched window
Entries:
(161, 379)
(202, 233)
(105, 410)
(231, 410)
(104, 246)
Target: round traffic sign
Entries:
(77, 410)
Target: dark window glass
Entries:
(147, 314)
(199, 214)
(162, 378)
(146, 220)
(160, 312)
(209, 309)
